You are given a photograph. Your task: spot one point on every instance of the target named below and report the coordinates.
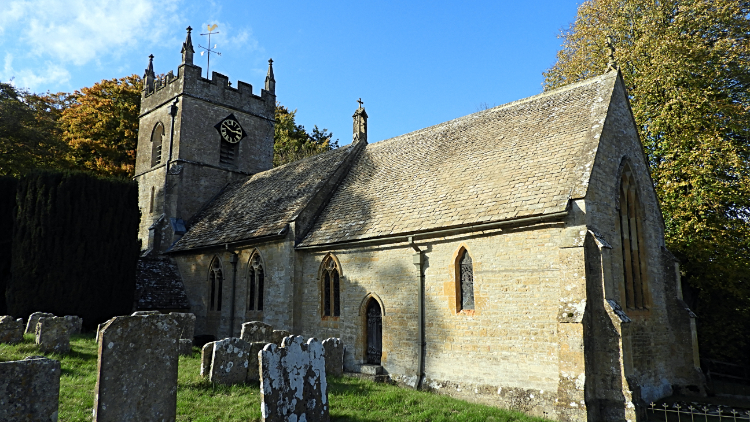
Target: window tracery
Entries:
(256, 279)
(631, 241)
(331, 288)
(466, 281)
(216, 280)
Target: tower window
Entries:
(331, 288)
(631, 240)
(228, 153)
(256, 279)
(157, 136)
(216, 281)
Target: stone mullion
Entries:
(625, 235)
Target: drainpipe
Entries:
(233, 258)
(418, 261)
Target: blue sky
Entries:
(414, 64)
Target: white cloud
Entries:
(52, 74)
(81, 31)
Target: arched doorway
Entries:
(374, 333)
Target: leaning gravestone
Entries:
(207, 355)
(34, 319)
(137, 371)
(29, 390)
(334, 353)
(293, 382)
(229, 361)
(256, 331)
(74, 324)
(53, 335)
(11, 330)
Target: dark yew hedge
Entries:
(7, 204)
(75, 246)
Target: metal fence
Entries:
(726, 371)
(680, 413)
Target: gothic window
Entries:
(156, 142)
(255, 284)
(465, 285)
(631, 240)
(151, 201)
(227, 153)
(216, 281)
(331, 288)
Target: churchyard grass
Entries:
(198, 400)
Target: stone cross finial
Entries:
(612, 65)
(360, 123)
(360, 102)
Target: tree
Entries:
(29, 135)
(100, 125)
(291, 142)
(686, 64)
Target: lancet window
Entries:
(255, 280)
(631, 236)
(216, 282)
(465, 287)
(331, 296)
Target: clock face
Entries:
(231, 131)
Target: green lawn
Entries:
(351, 399)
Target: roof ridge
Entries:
(500, 107)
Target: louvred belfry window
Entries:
(216, 281)
(256, 279)
(156, 144)
(466, 274)
(331, 288)
(631, 237)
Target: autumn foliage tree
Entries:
(686, 64)
(100, 126)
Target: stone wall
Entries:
(277, 259)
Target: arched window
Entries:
(465, 281)
(216, 281)
(255, 279)
(331, 298)
(631, 236)
(156, 141)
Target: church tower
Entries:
(195, 136)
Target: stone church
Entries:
(514, 256)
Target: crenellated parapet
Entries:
(218, 89)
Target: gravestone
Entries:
(185, 347)
(74, 324)
(229, 361)
(293, 382)
(34, 319)
(207, 355)
(98, 331)
(53, 335)
(253, 361)
(137, 371)
(29, 389)
(11, 330)
(187, 324)
(277, 336)
(334, 353)
(256, 331)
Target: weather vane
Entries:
(209, 50)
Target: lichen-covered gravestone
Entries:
(11, 330)
(29, 390)
(293, 382)
(229, 361)
(74, 324)
(53, 335)
(334, 353)
(256, 331)
(34, 319)
(137, 371)
(187, 331)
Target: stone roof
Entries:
(159, 286)
(521, 159)
(262, 205)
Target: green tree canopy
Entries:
(686, 64)
(291, 142)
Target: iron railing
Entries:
(725, 371)
(710, 413)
